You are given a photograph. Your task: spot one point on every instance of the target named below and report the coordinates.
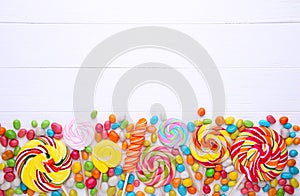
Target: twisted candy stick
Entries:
(44, 164)
(156, 167)
(259, 153)
(134, 149)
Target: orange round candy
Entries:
(217, 175)
(190, 159)
(176, 182)
(296, 127)
(96, 173)
(272, 191)
(2, 130)
(129, 187)
(291, 162)
(224, 181)
(296, 140)
(283, 120)
(124, 145)
(216, 194)
(30, 192)
(192, 190)
(198, 175)
(208, 180)
(112, 118)
(78, 177)
(218, 168)
(251, 193)
(201, 111)
(140, 193)
(85, 155)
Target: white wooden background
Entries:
(255, 45)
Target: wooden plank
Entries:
(265, 46)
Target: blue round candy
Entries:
(266, 188)
(185, 149)
(288, 125)
(293, 153)
(180, 168)
(292, 134)
(120, 184)
(130, 194)
(167, 188)
(23, 187)
(118, 170)
(294, 170)
(130, 178)
(115, 125)
(191, 127)
(182, 190)
(286, 175)
(224, 188)
(50, 132)
(264, 123)
(223, 194)
(231, 128)
(154, 120)
(55, 193)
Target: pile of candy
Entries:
(217, 158)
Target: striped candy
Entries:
(211, 145)
(156, 166)
(172, 133)
(44, 164)
(260, 153)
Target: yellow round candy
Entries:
(76, 168)
(233, 175)
(229, 120)
(289, 141)
(106, 154)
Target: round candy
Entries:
(156, 166)
(260, 153)
(78, 134)
(106, 154)
(211, 145)
(172, 133)
(44, 164)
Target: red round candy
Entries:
(22, 133)
(99, 127)
(4, 140)
(206, 189)
(256, 188)
(13, 143)
(57, 128)
(58, 136)
(271, 119)
(110, 172)
(223, 174)
(244, 191)
(107, 125)
(283, 120)
(8, 169)
(248, 184)
(1, 192)
(282, 182)
(289, 189)
(9, 177)
(136, 183)
(90, 182)
(30, 134)
(75, 154)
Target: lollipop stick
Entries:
(82, 168)
(162, 191)
(237, 184)
(99, 184)
(124, 187)
(202, 181)
(65, 190)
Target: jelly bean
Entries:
(248, 123)
(73, 192)
(13, 143)
(151, 129)
(296, 140)
(129, 127)
(107, 125)
(45, 124)
(231, 128)
(84, 155)
(98, 137)
(217, 188)
(283, 120)
(78, 177)
(175, 152)
(289, 141)
(50, 132)
(149, 189)
(30, 134)
(116, 125)
(153, 137)
(112, 118)
(264, 123)
(23, 187)
(293, 153)
(267, 188)
(18, 191)
(8, 169)
(291, 162)
(94, 114)
(88, 166)
(110, 172)
(140, 193)
(192, 190)
(154, 120)
(224, 188)
(288, 125)
(182, 190)
(22, 133)
(294, 182)
(111, 191)
(104, 177)
(294, 170)
(296, 127)
(251, 193)
(198, 123)
(231, 183)
(282, 181)
(274, 183)
(124, 145)
(136, 183)
(8, 154)
(190, 127)
(235, 135)
(233, 175)
(219, 120)
(17, 124)
(118, 170)
(229, 120)
(76, 168)
(39, 131)
(206, 189)
(130, 194)
(121, 184)
(57, 128)
(180, 168)
(256, 188)
(285, 132)
(9, 177)
(99, 128)
(249, 185)
(195, 167)
(70, 182)
(227, 162)
(187, 182)
(88, 149)
(230, 168)
(288, 189)
(2, 166)
(217, 175)
(201, 111)
(128, 135)
(93, 192)
(130, 179)
(167, 188)
(147, 143)
(271, 119)
(223, 174)
(10, 134)
(184, 175)
(12, 163)
(198, 175)
(124, 124)
(185, 149)
(79, 185)
(280, 192)
(207, 121)
(210, 172)
(208, 180)
(5, 186)
(286, 175)
(261, 184)
(239, 123)
(292, 134)
(176, 182)
(122, 176)
(34, 123)
(244, 191)
(104, 187)
(75, 154)
(179, 159)
(113, 181)
(4, 141)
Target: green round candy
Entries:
(18, 191)
(280, 192)
(93, 191)
(248, 123)
(104, 177)
(10, 134)
(88, 166)
(11, 162)
(207, 121)
(124, 124)
(210, 172)
(45, 124)
(17, 150)
(79, 185)
(88, 149)
(94, 114)
(17, 124)
(34, 123)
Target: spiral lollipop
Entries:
(44, 164)
(260, 154)
(156, 166)
(210, 145)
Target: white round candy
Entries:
(113, 181)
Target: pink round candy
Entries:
(9, 177)
(282, 182)
(110, 172)
(58, 136)
(22, 133)
(13, 143)
(175, 152)
(206, 189)
(8, 169)
(105, 134)
(75, 154)
(248, 184)
(4, 140)
(30, 134)
(271, 119)
(136, 183)
(244, 191)
(99, 127)
(224, 174)
(107, 125)
(289, 189)
(90, 183)
(256, 188)
(57, 128)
